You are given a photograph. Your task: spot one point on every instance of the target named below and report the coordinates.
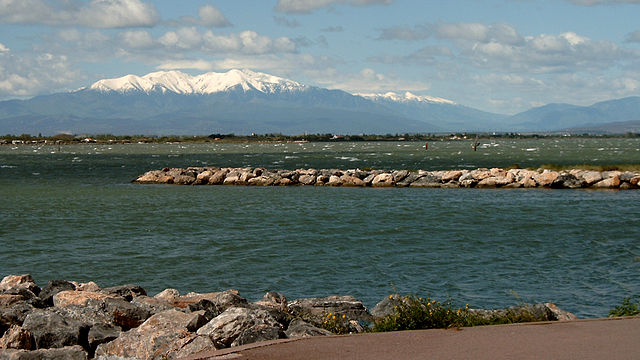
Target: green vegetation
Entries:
(275, 137)
(627, 308)
(414, 313)
(337, 324)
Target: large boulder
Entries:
(151, 304)
(14, 315)
(274, 300)
(54, 287)
(128, 292)
(17, 338)
(608, 183)
(299, 328)
(52, 330)
(382, 180)
(156, 338)
(67, 353)
(567, 181)
(314, 310)
(546, 178)
(238, 325)
(80, 298)
(386, 306)
(101, 334)
(19, 282)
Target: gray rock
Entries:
(386, 306)
(209, 308)
(66, 353)
(14, 315)
(125, 314)
(409, 179)
(152, 305)
(54, 287)
(274, 300)
(51, 330)
(259, 332)
(567, 181)
(101, 334)
(128, 292)
(314, 310)
(229, 298)
(230, 325)
(428, 181)
(154, 339)
(399, 175)
(300, 329)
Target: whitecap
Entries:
(531, 149)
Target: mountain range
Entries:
(244, 102)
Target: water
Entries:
(72, 213)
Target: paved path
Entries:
(617, 338)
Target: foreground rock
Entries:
(67, 320)
(480, 178)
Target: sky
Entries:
(502, 56)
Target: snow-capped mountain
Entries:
(172, 102)
(244, 101)
(406, 97)
(208, 83)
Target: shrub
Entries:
(627, 308)
(414, 313)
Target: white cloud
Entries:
(138, 39)
(212, 17)
(96, 13)
(370, 81)
(633, 37)
(307, 6)
(183, 38)
(24, 76)
(201, 65)
(248, 42)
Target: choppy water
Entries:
(71, 213)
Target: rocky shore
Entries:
(70, 320)
(478, 178)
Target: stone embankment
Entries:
(479, 178)
(70, 320)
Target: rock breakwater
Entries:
(479, 178)
(70, 320)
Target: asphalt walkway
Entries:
(611, 338)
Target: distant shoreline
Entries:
(68, 139)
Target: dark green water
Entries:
(71, 213)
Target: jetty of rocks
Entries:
(70, 320)
(478, 178)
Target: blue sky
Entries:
(503, 56)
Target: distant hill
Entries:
(621, 127)
(554, 117)
(244, 102)
(445, 113)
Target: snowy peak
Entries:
(406, 97)
(208, 83)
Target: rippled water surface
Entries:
(72, 213)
